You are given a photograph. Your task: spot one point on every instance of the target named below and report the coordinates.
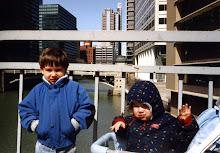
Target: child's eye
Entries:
(48, 70)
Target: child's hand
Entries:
(184, 112)
(117, 125)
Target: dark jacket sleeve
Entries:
(27, 110)
(121, 132)
(86, 110)
(183, 134)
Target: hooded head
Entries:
(147, 93)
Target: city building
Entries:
(196, 15)
(111, 21)
(130, 25)
(104, 54)
(149, 15)
(87, 52)
(55, 17)
(19, 15)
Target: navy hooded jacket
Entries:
(54, 105)
(164, 133)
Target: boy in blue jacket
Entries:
(57, 108)
(150, 129)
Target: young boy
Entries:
(57, 108)
(150, 129)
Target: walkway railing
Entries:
(97, 68)
(106, 36)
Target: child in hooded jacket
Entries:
(150, 129)
(57, 108)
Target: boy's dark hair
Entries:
(53, 56)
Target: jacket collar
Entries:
(59, 83)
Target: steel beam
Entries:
(119, 68)
(106, 36)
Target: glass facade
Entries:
(55, 17)
(19, 15)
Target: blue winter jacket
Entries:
(54, 105)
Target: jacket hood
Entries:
(146, 92)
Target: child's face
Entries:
(141, 111)
(53, 73)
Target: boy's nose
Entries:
(53, 73)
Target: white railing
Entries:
(97, 68)
(121, 36)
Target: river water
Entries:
(109, 107)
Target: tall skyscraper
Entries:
(55, 17)
(110, 21)
(130, 25)
(149, 15)
(19, 15)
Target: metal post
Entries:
(21, 78)
(71, 75)
(210, 94)
(154, 77)
(123, 93)
(180, 92)
(2, 83)
(96, 103)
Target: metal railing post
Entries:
(71, 75)
(96, 103)
(2, 83)
(123, 93)
(210, 93)
(180, 92)
(21, 78)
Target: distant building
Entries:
(19, 15)
(87, 53)
(149, 15)
(130, 25)
(193, 15)
(104, 54)
(111, 21)
(55, 17)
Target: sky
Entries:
(89, 12)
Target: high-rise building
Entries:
(19, 15)
(196, 15)
(104, 54)
(110, 21)
(150, 15)
(55, 17)
(130, 25)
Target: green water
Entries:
(109, 107)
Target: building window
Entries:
(162, 7)
(162, 20)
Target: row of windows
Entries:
(149, 26)
(140, 4)
(46, 6)
(143, 11)
(162, 20)
(144, 20)
(48, 12)
(49, 9)
(163, 7)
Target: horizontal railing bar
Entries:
(118, 68)
(105, 36)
